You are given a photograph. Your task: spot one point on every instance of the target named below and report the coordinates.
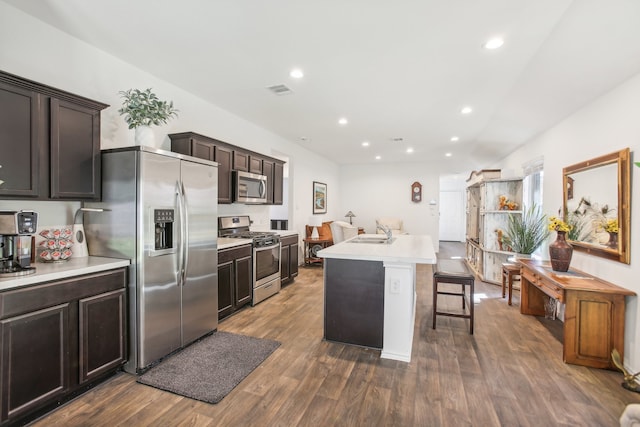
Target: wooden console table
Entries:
(594, 311)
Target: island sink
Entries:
(371, 238)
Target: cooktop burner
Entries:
(250, 234)
(238, 227)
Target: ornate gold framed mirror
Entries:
(597, 199)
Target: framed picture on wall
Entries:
(319, 198)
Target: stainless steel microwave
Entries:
(249, 188)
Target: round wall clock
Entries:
(416, 192)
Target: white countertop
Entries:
(228, 242)
(404, 248)
(46, 272)
(281, 233)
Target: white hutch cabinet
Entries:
(485, 217)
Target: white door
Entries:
(452, 216)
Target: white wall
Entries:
(34, 50)
(609, 124)
(371, 191)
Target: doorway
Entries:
(452, 219)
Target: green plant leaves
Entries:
(143, 108)
(527, 231)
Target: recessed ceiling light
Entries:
(296, 73)
(365, 144)
(466, 110)
(455, 139)
(378, 157)
(493, 43)
(343, 121)
(448, 154)
(409, 150)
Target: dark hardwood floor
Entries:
(509, 373)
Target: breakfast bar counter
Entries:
(370, 291)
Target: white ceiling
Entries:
(400, 68)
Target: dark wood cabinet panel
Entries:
(75, 151)
(255, 165)
(243, 283)
(35, 359)
(202, 149)
(278, 182)
(288, 258)
(102, 333)
(240, 161)
(58, 337)
(354, 302)
(267, 170)
(293, 260)
(235, 279)
(49, 142)
(18, 142)
(225, 289)
(223, 157)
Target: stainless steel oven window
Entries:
(267, 263)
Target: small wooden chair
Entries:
(509, 272)
(456, 272)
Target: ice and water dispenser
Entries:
(163, 223)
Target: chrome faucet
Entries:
(385, 229)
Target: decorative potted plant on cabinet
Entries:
(142, 109)
(526, 232)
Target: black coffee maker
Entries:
(16, 229)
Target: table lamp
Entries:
(350, 215)
(315, 222)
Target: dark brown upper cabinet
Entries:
(49, 142)
(278, 182)
(240, 161)
(230, 158)
(19, 141)
(255, 165)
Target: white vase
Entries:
(144, 136)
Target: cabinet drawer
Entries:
(24, 300)
(529, 276)
(227, 255)
(551, 290)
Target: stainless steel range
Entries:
(266, 254)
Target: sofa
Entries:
(341, 231)
(393, 223)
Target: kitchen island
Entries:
(370, 292)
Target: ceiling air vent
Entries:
(280, 90)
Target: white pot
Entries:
(145, 136)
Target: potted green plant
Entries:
(527, 231)
(142, 109)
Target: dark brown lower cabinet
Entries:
(57, 338)
(101, 330)
(288, 258)
(235, 279)
(35, 359)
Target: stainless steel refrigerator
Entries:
(162, 214)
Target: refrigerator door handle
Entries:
(181, 249)
(185, 238)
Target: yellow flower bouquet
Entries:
(611, 226)
(556, 224)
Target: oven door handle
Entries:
(266, 248)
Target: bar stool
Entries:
(456, 272)
(509, 272)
